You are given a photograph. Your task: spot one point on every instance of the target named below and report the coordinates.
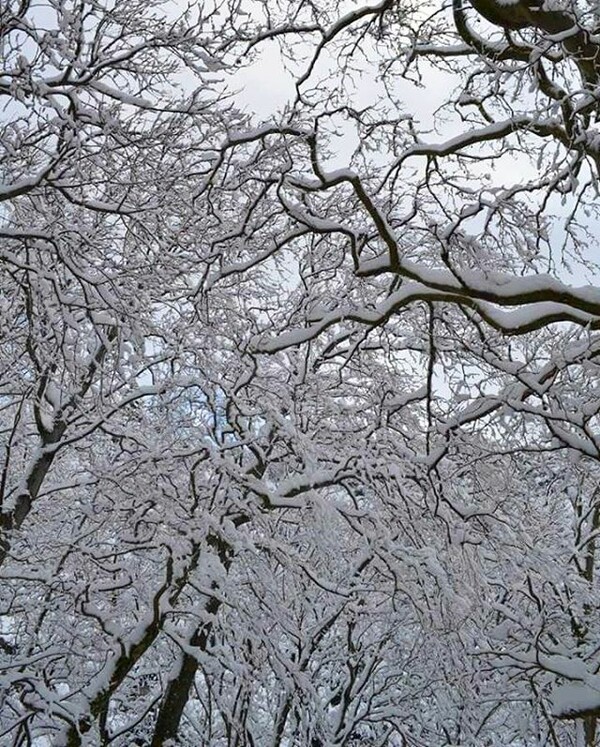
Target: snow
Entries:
(437, 285)
(379, 558)
(489, 132)
(121, 95)
(102, 317)
(575, 699)
(11, 190)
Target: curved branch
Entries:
(557, 26)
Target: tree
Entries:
(453, 239)
(299, 453)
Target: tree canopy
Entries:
(299, 407)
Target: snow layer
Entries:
(576, 699)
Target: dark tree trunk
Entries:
(179, 687)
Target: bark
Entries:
(13, 518)
(130, 654)
(531, 14)
(179, 687)
(589, 728)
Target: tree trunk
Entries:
(179, 687)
